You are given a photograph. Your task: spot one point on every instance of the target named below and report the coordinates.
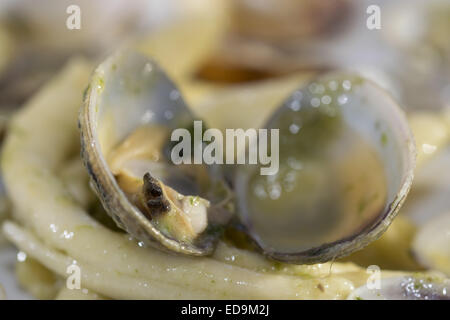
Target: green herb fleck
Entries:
(86, 90)
(193, 200)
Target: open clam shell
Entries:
(417, 287)
(431, 245)
(346, 160)
(130, 96)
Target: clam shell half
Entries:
(128, 91)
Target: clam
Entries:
(129, 112)
(346, 160)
